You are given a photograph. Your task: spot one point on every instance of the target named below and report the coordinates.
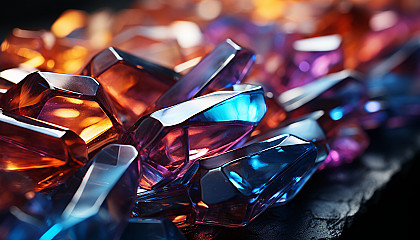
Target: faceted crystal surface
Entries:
(171, 139)
(16, 189)
(75, 102)
(226, 65)
(133, 83)
(45, 153)
(101, 204)
(152, 229)
(236, 186)
(339, 94)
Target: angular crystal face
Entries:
(171, 139)
(152, 229)
(226, 65)
(132, 83)
(46, 153)
(236, 186)
(10, 77)
(340, 95)
(103, 200)
(75, 102)
(313, 58)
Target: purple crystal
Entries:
(226, 65)
(172, 139)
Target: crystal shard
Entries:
(171, 139)
(16, 189)
(132, 83)
(101, 204)
(45, 153)
(152, 229)
(226, 65)
(75, 102)
(339, 94)
(234, 187)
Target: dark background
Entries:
(394, 214)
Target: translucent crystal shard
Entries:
(152, 229)
(103, 200)
(313, 58)
(95, 202)
(78, 103)
(226, 65)
(233, 188)
(339, 94)
(133, 83)
(45, 153)
(171, 139)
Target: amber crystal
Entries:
(133, 83)
(78, 103)
(16, 189)
(44, 152)
(172, 139)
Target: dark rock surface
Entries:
(338, 202)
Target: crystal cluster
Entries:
(135, 123)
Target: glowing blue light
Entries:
(52, 232)
(372, 106)
(336, 113)
(237, 179)
(255, 162)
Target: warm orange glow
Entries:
(180, 218)
(197, 153)
(90, 133)
(202, 204)
(66, 113)
(269, 9)
(69, 21)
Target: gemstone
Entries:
(171, 139)
(95, 202)
(341, 95)
(152, 229)
(26, 48)
(132, 83)
(78, 103)
(101, 204)
(226, 65)
(313, 58)
(234, 187)
(45, 153)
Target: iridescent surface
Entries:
(226, 65)
(46, 153)
(133, 83)
(240, 184)
(169, 142)
(76, 102)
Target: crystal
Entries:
(132, 83)
(26, 48)
(45, 153)
(96, 202)
(233, 188)
(313, 58)
(171, 139)
(226, 65)
(152, 229)
(78, 103)
(340, 95)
